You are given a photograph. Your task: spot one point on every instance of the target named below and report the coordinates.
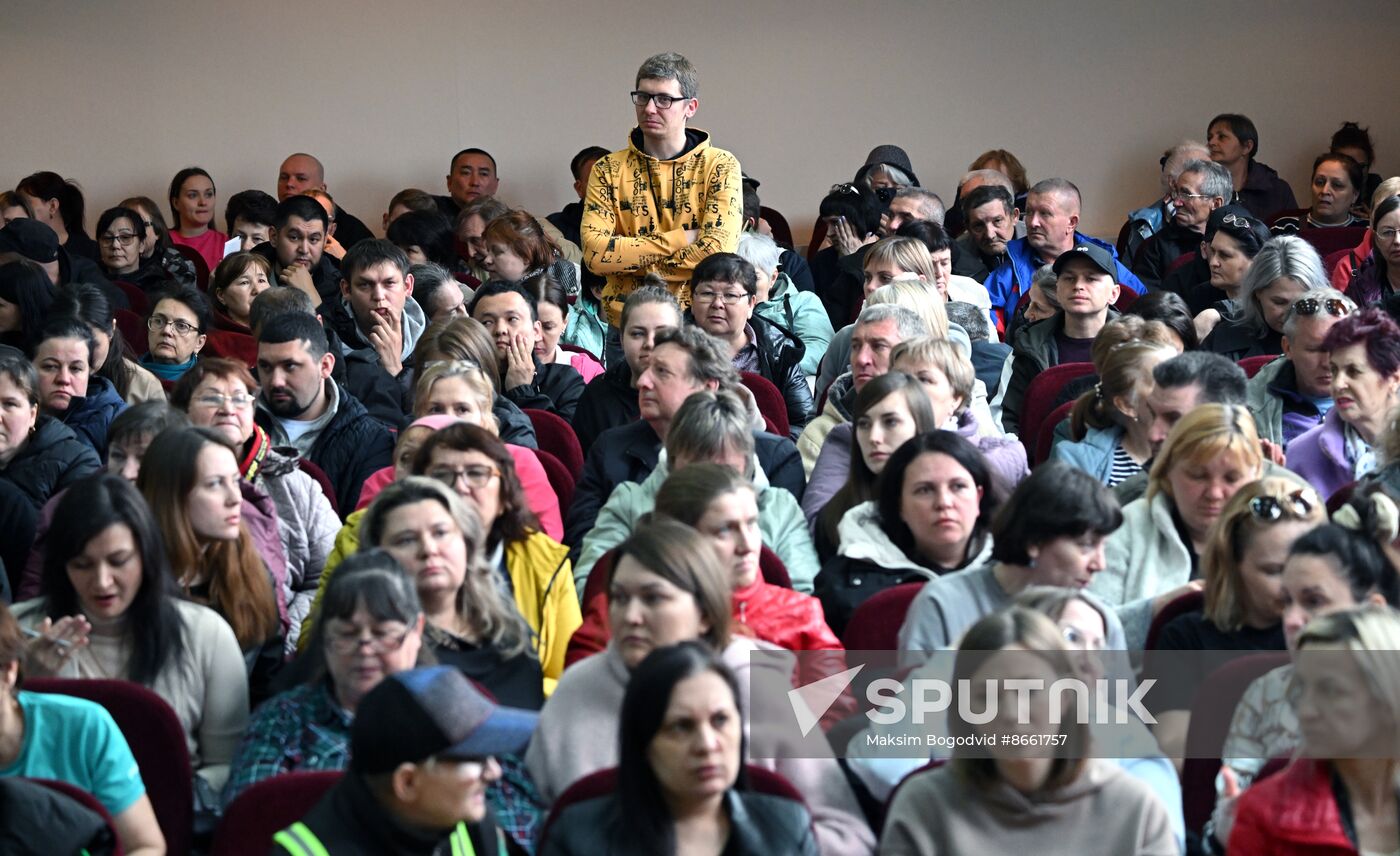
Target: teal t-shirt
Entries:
(76, 741)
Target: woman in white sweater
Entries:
(108, 609)
(667, 586)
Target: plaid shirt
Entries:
(306, 729)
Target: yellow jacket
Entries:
(540, 574)
(637, 209)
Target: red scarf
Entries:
(256, 450)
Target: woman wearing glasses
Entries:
(1242, 567)
(1379, 276)
(1337, 181)
(478, 466)
(177, 332)
(1284, 269)
(157, 246)
(1364, 354)
(371, 627)
(219, 394)
(121, 233)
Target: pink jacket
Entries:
(539, 494)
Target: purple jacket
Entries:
(1320, 456)
(1006, 458)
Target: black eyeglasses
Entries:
(663, 101)
(1334, 306)
(847, 188)
(1271, 508)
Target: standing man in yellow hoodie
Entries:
(665, 202)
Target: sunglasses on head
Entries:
(1336, 307)
(1272, 508)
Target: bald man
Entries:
(301, 172)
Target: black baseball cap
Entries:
(1095, 254)
(432, 712)
(31, 239)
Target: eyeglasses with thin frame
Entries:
(217, 400)
(1179, 196)
(475, 476)
(1300, 503)
(663, 100)
(1387, 235)
(346, 644)
(157, 323)
(728, 298)
(1239, 221)
(124, 239)
(1334, 306)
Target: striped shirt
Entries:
(1124, 467)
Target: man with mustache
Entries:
(296, 247)
(1052, 220)
(300, 405)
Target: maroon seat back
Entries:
(874, 626)
(1193, 601)
(1045, 435)
(1285, 212)
(89, 802)
(133, 329)
(319, 476)
(157, 741)
(772, 568)
(769, 399)
(232, 345)
(1333, 240)
(1041, 396)
(556, 436)
(561, 481)
(1211, 713)
(597, 582)
(1126, 298)
(140, 303)
(267, 808)
(782, 232)
(1252, 365)
(1180, 262)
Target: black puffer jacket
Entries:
(325, 275)
(780, 355)
(50, 460)
(349, 450)
(556, 389)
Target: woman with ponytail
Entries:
(58, 204)
(1107, 423)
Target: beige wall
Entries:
(121, 94)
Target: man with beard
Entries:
(296, 246)
(301, 406)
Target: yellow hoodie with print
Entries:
(637, 210)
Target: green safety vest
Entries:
(299, 840)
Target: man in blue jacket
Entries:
(1052, 218)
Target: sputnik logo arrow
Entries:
(811, 701)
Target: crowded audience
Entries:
(508, 525)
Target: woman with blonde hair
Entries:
(1242, 567)
(1154, 557)
(1339, 795)
(1108, 424)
